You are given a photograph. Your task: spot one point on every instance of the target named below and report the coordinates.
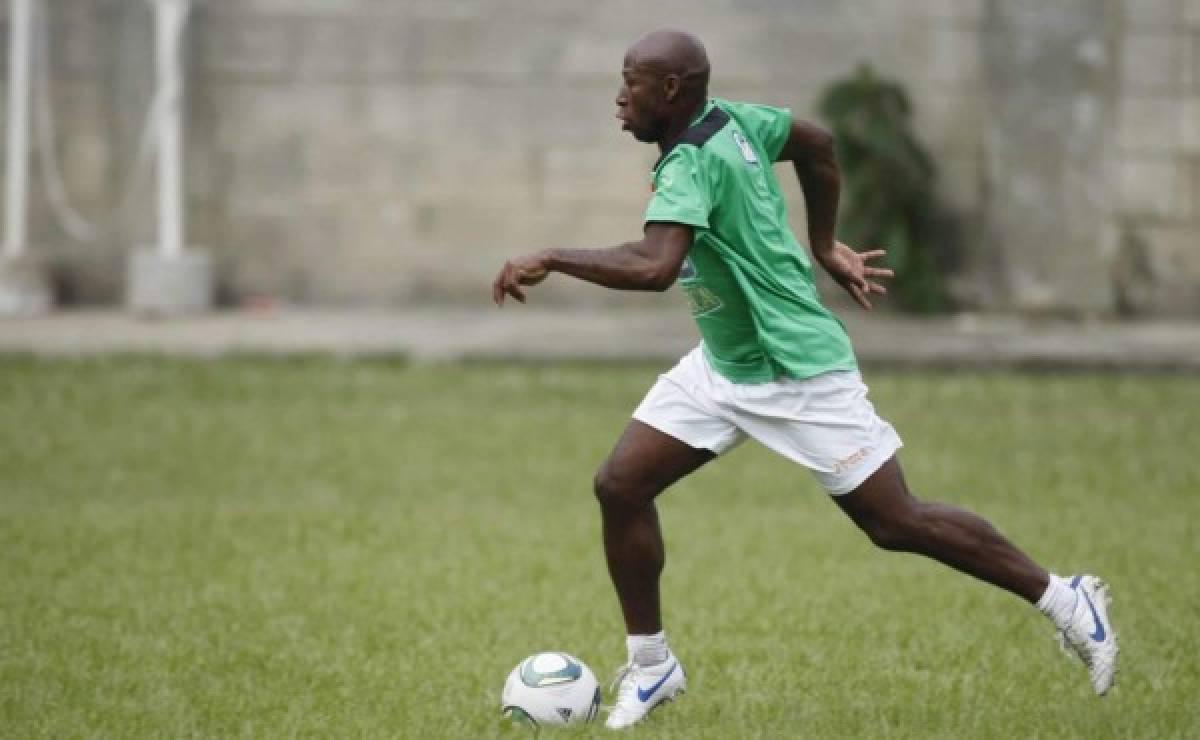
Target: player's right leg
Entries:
(675, 430)
(643, 464)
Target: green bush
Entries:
(887, 184)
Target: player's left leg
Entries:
(827, 424)
(894, 519)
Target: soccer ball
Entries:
(550, 689)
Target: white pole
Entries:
(169, 19)
(17, 166)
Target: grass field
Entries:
(266, 548)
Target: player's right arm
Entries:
(651, 263)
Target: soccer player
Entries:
(774, 364)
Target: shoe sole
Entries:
(1101, 590)
(666, 699)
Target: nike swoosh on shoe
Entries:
(645, 694)
(1098, 633)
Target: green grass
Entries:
(262, 548)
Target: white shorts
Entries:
(825, 423)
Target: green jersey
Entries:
(748, 282)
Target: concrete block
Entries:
(1191, 126)
(350, 254)
(86, 162)
(168, 286)
(1155, 271)
(540, 11)
(257, 249)
(501, 177)
(78, 44)
(1153, 188)
(261, 171)
(447, 114)
(243, 47)
(388, 48)
(1150, 124)
(329, 49)
(472, 225)
(24, 286)
(1153, 61)
(1044, 146)
(958, 12)
(245, 116)
(1140, 14)
(960, 183)
(954, 54)
(577, 118)
(615, 176)
(1194, 64)
(735, 44)
(325, 8)
(1174, 251)
(345, 168)
(1191, 13)
(596, 60)
(949, 121)
(480, 49)
(629, 19)
(736, 49)
(799, 57)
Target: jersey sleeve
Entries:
(681, 192)
(769, 126)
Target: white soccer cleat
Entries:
(641, 688)
(1090, 634)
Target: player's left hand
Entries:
(851, 271)
(527, 270)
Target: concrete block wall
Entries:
(385, 153)
(1157, 158)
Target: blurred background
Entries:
(361, 153)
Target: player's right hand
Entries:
(527, 270)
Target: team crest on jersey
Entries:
(744, 147)
(701, 300)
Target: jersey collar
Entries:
(708, 122)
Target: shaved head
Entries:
(671, 52)
(665, 83)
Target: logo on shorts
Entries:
(851, 461)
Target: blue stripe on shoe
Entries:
(645, 694)
(1098, 635)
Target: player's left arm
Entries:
(810, 150)
(650, 263)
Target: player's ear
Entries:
(671, 87)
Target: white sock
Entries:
(647, 650)
(1058, 602)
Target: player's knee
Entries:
(615, 489)
(897, 534)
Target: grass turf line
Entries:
(258, 547)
